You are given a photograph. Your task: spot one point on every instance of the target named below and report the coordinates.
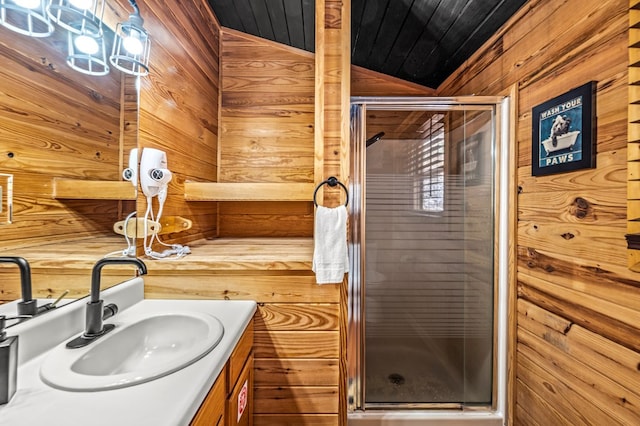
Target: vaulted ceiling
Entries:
(422, 41)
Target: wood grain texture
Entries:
(296, 372)
(633, 164)
(93, 189)
(365, 82)
(179, 106)
(332, 136)
(296, 344)
(295, 419)
(199, 191)
(56, 123)
(267, 121)
(572, 262)
(58, 267)
(212, 409)
(287, 317)
(296, 400)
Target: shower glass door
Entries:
(422, 281)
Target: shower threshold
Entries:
(427, 417)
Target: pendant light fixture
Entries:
(83, 21)
(85, 39)
(27, 17)
(131, 45)
(87, 53)
(78, 16)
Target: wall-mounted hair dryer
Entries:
(154, 174)
(131, 173)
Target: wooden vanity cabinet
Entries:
(211, 412)
(239, 409)
(230, 400)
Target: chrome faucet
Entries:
(96, 311)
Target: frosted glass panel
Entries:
(428, 278)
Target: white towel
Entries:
(330, 258)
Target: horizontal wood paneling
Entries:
(574, 288)
(288, 317)
(179, 106)
(197, 191)
(295, 399)
(295, 372)
(294, 344)
(56, 123)
(295, 419)
(296, 336)
(57, 267)
(267, 121)
(365, 82)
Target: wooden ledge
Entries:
(214, 191)
(78, 189)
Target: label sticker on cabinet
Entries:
(242, 399)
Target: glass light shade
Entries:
(86, 44)
(28, 4)
(26, 17)
(87, 54)
(78, 16)
(131, 47)
(81, 4)
(132, 43)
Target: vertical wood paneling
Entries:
(332, 92)
(332, 142)
(633, 215)
(572, 262)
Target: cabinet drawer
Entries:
(240, 401)
(211, 412)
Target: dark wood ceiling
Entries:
(422, 41)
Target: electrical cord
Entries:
(173, 249)
(130, 251)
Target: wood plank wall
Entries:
(55, 122)
(267, 128)
(59, 123)
(179, 107)
(578, 305)
(633, 130)
(298, 324)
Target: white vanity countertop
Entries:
(171, 400)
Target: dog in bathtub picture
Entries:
(563, 132)
(561, 137)
(560, 127)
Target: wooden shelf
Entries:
(78, 189)
(213, 191)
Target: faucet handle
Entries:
(3, 324)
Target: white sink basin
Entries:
(140, 349)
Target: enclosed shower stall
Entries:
(425, 297)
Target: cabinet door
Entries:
(211, 412)
(240, 401)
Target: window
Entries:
(426, 159)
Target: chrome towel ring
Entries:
(332, 181)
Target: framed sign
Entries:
(469, 159)
(564, 132)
